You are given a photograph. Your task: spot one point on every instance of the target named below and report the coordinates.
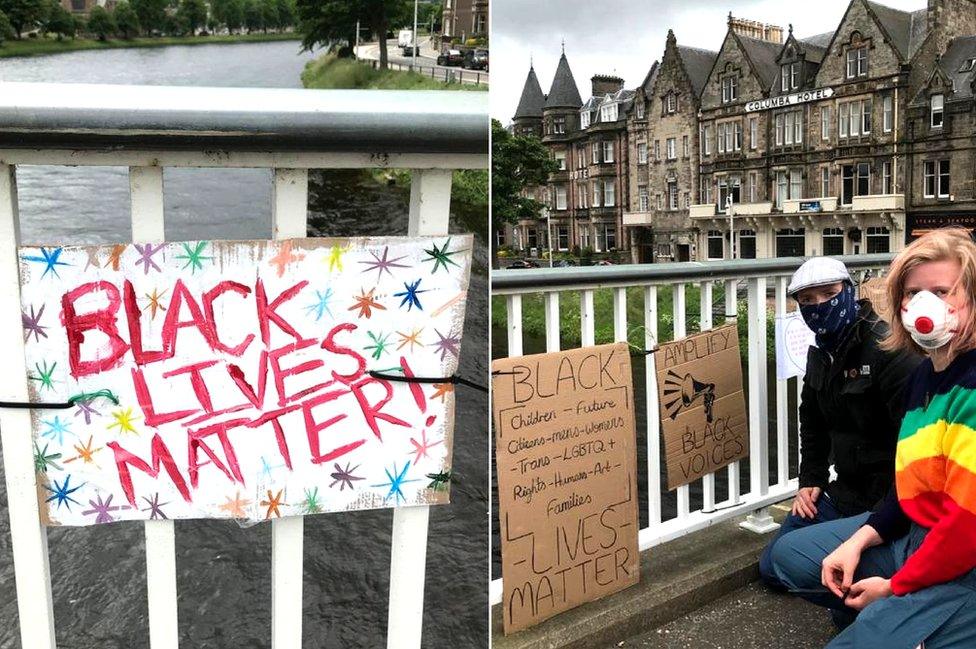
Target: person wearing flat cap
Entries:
(850, 405)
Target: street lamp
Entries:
(415, 39)
(729, 213)
(549, 232)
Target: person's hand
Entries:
(866, 591)
(837, 571)
(804, 503)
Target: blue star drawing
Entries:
(62, 493)
(267, 469)
(85, 409)
(446, 345)
(383, 264)
(56, 429)
(32, 324)
(50, 259)
(410, 295)
(146, 259)
(322, 305)
(102, 509)
(396, 482)
(155, 507)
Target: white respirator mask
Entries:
(931, 322)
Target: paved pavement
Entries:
(426, 57)
(747, 618)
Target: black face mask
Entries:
(830, 321)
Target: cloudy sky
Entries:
(624, 37)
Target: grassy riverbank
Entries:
(332, 73)
(42, 46)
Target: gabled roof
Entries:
(649, 80)
(905, 29)
(816, 46)
(563, 93)
(698, 64)
(532, 100)
(763, 56)
(951, 64)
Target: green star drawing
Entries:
(45, 375)
(439, 481)
(42, 460)
(379, 346)
(194, 256)
(311, 504)
(441, 257)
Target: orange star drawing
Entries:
(285, 257)
(116, 256)
(412, 339)
(154, 302)
(235, 507)
(272, 503)
(365, 303)
(85, 453)
(441, 390)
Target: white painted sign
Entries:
(790, 100)
(237, 375)
(793, 341)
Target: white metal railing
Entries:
(758, 276)
(288, 131)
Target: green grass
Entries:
(331, 72)
(42, 46)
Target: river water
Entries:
(98, 573)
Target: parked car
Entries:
(523, 263)
(603, 262)
(406, 43)
(450, 58)
(475, 60)
(564, 263)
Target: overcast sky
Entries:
(624, 37)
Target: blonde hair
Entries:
(944, 244)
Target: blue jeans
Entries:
(826, 511)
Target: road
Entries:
(426, 59)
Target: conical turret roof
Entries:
(532, 101)
(563, 93)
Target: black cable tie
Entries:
(454, 380)
(70, 403)
(501, 373)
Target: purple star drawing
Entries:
(383, 264)
(147, 251)
(32, 324)
(155, 507)
(102, 509)
(445, 345)
(85, 409)
(344, 476)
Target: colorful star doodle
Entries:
(441, 257)
(45, 374)
(321, 305)
(441, 391)
(154, 508)
(311, 504)
(396, 480)
(92, 259)
(194, 256)
(153, 302)
(102, 509)
(32, 324)
(56, 429)
(267, 470)
(412, 340)
(366, 303)
(284, 257)
(420, 448)
(235, 506)
(273, 503)
(62, 493)
(146, 252)
(42, 460)
(123, 421)
(446, 344)
(344, 477)
(50, 259)
(379, 345)
(115, 258)
(335, 257)
(411, 295)
(86, 410)
(384, 264)
(85, 453)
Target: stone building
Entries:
(663, 149)
(463, 19)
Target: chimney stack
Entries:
(605, 84)
(755, 29)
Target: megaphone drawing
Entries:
(682, 391)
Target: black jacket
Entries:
(850, 412)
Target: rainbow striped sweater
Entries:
(935, 473)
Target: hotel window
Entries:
(729, 138)
(582, 194)
(753, 133)
(610, 237)
(715, 244)
(863, 179)
(866, 108)
(747, 244)
(642, 153)
(608, 193)
(672, 147)
(779, 129)
(559, 125)
(596, 193)
(608, 151)
(672, 195)
(825, 122)
(729, 188)
(584, 237)
(585, 119)
(671, 103)
(595, 148)
(640, 110)
(730, 88)
(561, 159)
(752, 186)
(791, 242)
(562, 237)
(833, 241)
(782, 188)
(790, 76)
(796, 184)
(886, 187)
(707, 139)
(889, 114)
(721, 138)
(878, 240)
(825, 181)
(847, 185)
(738, 136)
(608, 113)
(657, 149)
(685, 149)
(936, 178)
(857, 62)
(560, 197)
(642, 201)
(938, 110)
(843, 119)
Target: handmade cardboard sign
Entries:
(875, 290)
(703, 409)
(566, 461)
(793, 340)
(219, 379)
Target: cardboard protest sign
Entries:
(567, 490)
(793, 340)
(703, 408)
(240, 371)
(875, 290)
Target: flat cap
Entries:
(817, 272)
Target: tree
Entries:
(517, 163)
(286, 13)
(269, 14)
(253, 18)
(59, 21)
(100, 23)
(192, 14)
(152, 14)
(327, 21)
(6, 31)
(126, 20)
(234, 15)
(23, 14)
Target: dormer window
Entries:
(670, 103)
(608, 113)
(640, 109)
(857, 62)
(790, 76)
(730, 88)
(968, 65)
(585, 119)
(937, 111)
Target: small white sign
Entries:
(790, 100)
(793, 341)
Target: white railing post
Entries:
(430, 204)
(782, 401)
(587, 325)
(731, 317)
(289, 220)
(148, 226)
(552, 321)
(653, 422)
(27, 536)
(680, 331)
(705, 323)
